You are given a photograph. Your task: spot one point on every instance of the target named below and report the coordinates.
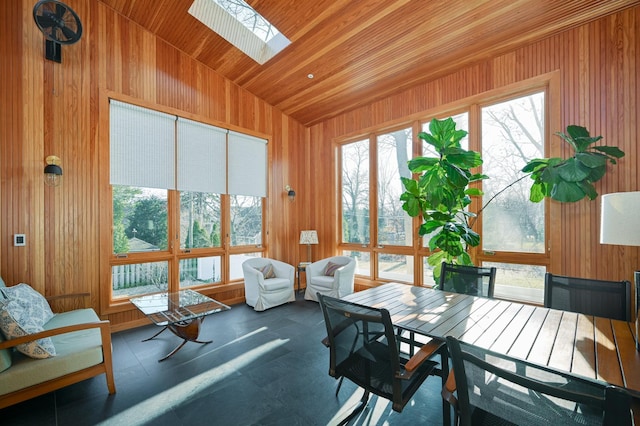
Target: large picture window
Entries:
(176, 186)
(508, 131)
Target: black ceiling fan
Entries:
(59, 24)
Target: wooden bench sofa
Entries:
(83, 350)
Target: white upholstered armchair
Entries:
(267, 283)
(332, 276)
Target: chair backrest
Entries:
(468, 279)
(492, 387)
(608, 299)
(363, 349)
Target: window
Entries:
(174, 183)
(508, 131)
(512, 134)
(238, 23)
(388, 243)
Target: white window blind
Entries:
(149, 150)
(141, 146)
(247, 165)
(202, 157)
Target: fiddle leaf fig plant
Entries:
(441, 194)
(572, 179)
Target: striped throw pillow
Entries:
(331, 268)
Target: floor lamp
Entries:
(619, 224)
(308, 238)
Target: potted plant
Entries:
(441, 194)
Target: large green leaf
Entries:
(612, 151)
(596, 173)
(573, 170)
(591, 159)
(420, 164)
(537, 192)
(588, 189)
(567, 192)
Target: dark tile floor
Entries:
(263, 368)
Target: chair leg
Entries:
(357, 410)
(339, 384)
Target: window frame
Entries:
(550, 84)
(173, 254)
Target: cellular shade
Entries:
(141, 147)
(202, 157)
(247, 165)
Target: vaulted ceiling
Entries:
(362, 50)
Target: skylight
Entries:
(242, 26)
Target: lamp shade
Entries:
(308, 237)
(620, 219)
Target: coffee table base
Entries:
(188, 331)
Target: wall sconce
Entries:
(52, 171)
(290, 193)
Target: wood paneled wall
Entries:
(50, 108)
(599, 65)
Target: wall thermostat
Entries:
(19, 240)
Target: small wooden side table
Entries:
(302, 268)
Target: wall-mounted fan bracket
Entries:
(53, 51)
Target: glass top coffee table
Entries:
(181, 313)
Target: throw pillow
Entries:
(331, 269)
(30, 300)
(267, 271)
(5, 356)
(15, 322)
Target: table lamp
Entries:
(620, 225)
(308, 238)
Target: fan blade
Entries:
(69, 33)
(45, 21)
(60, 10)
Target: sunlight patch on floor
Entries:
(144, 412)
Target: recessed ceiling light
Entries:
(309, 75)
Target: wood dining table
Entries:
(598, 348)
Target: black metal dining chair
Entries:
(363, 349)
(495, 389)
(608, 299)
(468, 279)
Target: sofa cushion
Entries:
(16, 322)
(75, 351)
(36, 306)
(331, 268)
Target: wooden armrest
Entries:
(103, 325)
(449, 388)
(426, 351)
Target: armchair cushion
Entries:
(16, 322)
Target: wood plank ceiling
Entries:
(362, 50)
